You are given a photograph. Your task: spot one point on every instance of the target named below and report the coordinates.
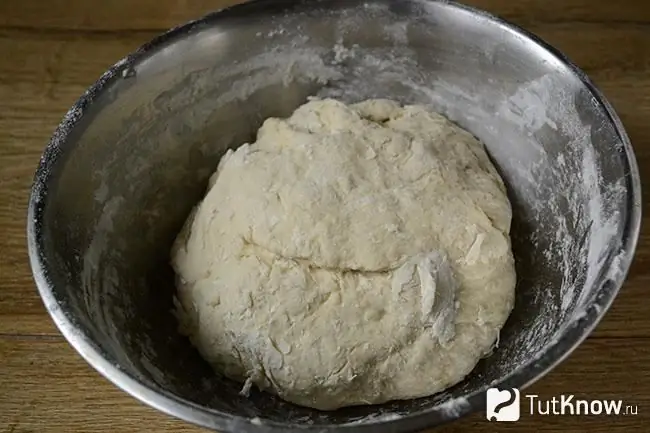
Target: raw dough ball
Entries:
(351, 255)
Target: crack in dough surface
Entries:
(351, 255)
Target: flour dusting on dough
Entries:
(293, 282)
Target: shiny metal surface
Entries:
(133, 156)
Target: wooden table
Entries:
(50, 51)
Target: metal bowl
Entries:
(133, 155)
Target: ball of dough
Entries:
(354, 254)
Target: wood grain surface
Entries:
(50, 51)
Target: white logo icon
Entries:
(502, 405)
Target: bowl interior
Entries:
(138, 158)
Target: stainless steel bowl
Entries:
(134, 154)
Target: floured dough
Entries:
(351, 255)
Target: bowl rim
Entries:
(525, 375)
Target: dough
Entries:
(351, 255)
